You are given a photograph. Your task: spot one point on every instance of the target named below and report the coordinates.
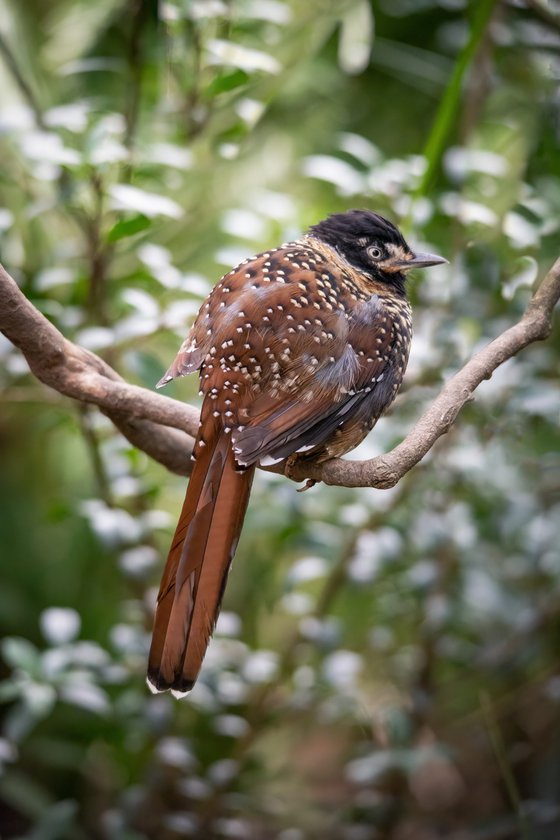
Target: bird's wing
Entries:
(352, 377)
(249, 286)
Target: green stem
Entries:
(140, 14)
(24, 87)
(94, 451)
(445, 116)
(259, 705)
(507, 775)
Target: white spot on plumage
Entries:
(269, 461)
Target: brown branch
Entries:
(386, 470)
(166, 445)
(140, 415)
(545, 14)
(164, 428)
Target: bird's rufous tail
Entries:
(195, 575)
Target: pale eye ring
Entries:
(374, 252)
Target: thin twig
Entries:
(99, 256)
(140, 12)
(505, 770)
(94, 452)
(545, 14)
(21, 81)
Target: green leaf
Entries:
(40, 699)
(129, 198)
(24, 794)
(227, 81)
(9, 690)
(128, 227)
(19, 653)
(55, 821)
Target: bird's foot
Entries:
(290, 472)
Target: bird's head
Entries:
(373, 245)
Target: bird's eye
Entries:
(374, 252)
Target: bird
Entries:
(299, 351)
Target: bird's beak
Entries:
(420, 260)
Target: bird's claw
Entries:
(290, 469)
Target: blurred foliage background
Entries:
(386, 664)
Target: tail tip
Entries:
(178, 695)
(179, 688)
(153, 687)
